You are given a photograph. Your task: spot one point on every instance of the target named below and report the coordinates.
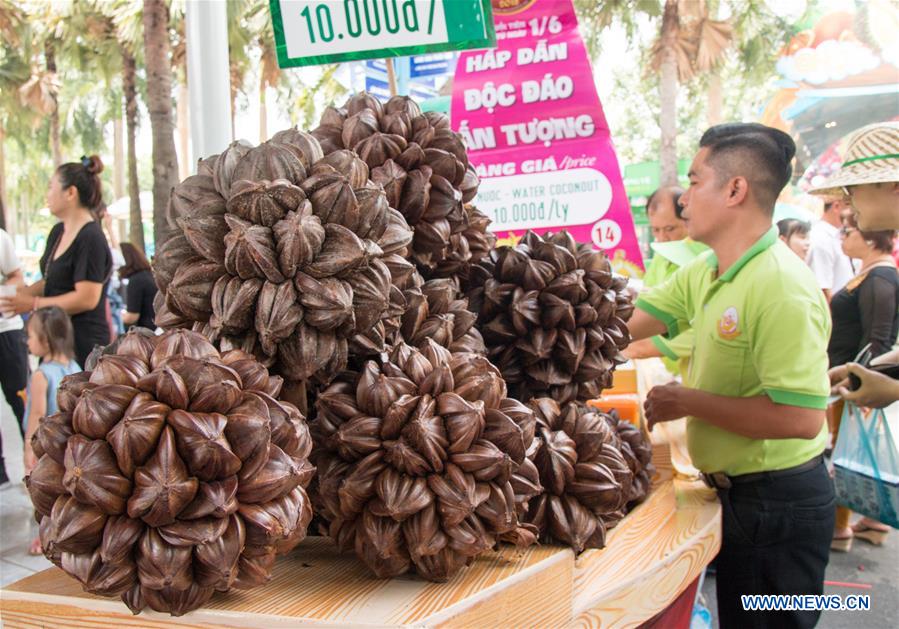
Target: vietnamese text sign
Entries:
(312, 32)
(537, 135)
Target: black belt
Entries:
(720, 480)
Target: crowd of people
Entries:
(92, 289)
(766, 326)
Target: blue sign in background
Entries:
(418, 76)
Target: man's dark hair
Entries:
(760, 154)
(674, 193)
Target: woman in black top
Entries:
(863, 312)
(141, 288)
(76, 262)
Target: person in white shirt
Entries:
(831, 266)
(13, 346)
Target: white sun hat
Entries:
(872, 157)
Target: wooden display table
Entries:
(652, 556)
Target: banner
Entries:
(315, 32)
(536, 133)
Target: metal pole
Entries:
(391, 77)
(208, 78)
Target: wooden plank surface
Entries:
(650, 558)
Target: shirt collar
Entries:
(762, 244)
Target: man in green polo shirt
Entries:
(675, 352)
(757, 385)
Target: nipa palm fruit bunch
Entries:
(637, 451)
(170, 473)
(437, 310)
(586, 471)
(553, 316)
(466, 248)
(281, 252)
(422, 165)
(415, 456)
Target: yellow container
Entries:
(624, 380)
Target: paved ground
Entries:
(866, 569)
(17, 526)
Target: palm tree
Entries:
(157, 58)
(665, 61)
(689, 43)
(50, 60)
(11, 20)
(126, 16)
(135, 218)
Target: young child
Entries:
(51, 339)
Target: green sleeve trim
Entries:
(662, 346)
(818, 402)
(669, 320)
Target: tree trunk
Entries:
(159, 103)
(50, 58)
(668, 94)
(118, 155)
(184, 162)
(135, 224)
(263, 113)
(715, 98)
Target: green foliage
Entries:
(632, 103)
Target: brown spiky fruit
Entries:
(553, 316)
(281, 253)
(438, 310)
(170, 472)
(424, 169)
(584, 475)
(415, 456)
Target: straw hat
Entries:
(872, 157)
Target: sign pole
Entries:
(391, 76)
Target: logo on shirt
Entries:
(728, 324)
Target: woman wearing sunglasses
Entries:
(869, 181)
(864, 313)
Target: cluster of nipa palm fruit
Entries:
(283, 253)
(553, 316)
(415, 456)
(423, 166)
(588, 469)
(170, 472)
(437, 310)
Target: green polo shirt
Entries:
(668, 258)
(761, 327)
(676, 352)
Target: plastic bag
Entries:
(866, 465)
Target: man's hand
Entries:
(889, 358)
(664, 403)
(876, 390)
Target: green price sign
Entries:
(313, 32)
